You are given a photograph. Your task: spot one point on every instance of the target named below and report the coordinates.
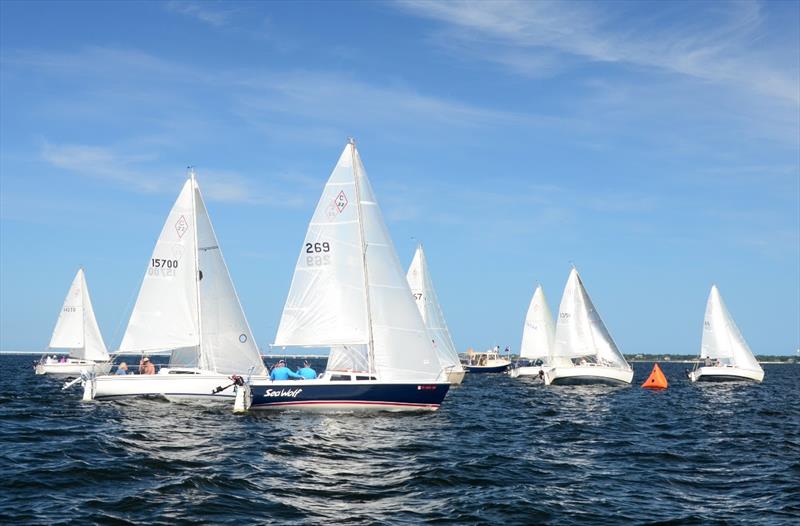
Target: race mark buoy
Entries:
(656, 380)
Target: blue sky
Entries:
(655, 145)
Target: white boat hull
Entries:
(723, 374)
(587, 374)
(170, 386)
(455, 377)
(72, 369)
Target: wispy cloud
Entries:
(722, 45)
(147, 173)
(207, 12)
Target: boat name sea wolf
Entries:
(291, 393)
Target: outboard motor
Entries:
(87, 380)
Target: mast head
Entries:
(190, 173)
(351, 141)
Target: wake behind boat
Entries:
(187, 305)
(724, 350)
(584, 352)
(350, 294)
(76, 330)
(421, 283)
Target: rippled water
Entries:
(499, 451)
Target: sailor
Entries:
(123, 368)
(281, 372)
(306, 371)
(146, 366)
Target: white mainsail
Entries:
(76, 328)
(579, 330)
(538, 333)
(187, 303)
(349, 291)
(326, 306)
(165, 314)
(721, 337)
(421, 283)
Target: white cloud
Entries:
(713, 42)
(204, 11)
(146, 173)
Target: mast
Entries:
(371, 342)
(203, 362)
(83, 308)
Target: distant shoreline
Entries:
(770, 359)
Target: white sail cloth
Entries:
(421, 283)
(349, 291)
(538, 334)
(721, 337)
(187, 303)
(76, 328)
(579, 330)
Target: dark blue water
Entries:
(500, 451)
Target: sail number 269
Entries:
(320, 256)
(311, 248)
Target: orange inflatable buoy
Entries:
(656, 380)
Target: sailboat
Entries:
(584, 351)
(76, 330)
(187, 306)
(725, 351)
(349, 293)
(538, 335)
(419, 279)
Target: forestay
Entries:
(579, 330)
(538, 333)
(421, 283)
(76, 328)
(722, 338)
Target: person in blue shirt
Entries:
(307, 372)
(123, 368)
(281, 372)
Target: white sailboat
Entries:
(724, 350)
(76, 330)
(584, 351)
(349, 293)
(421, 283)
(187, 305)
(538, 336)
